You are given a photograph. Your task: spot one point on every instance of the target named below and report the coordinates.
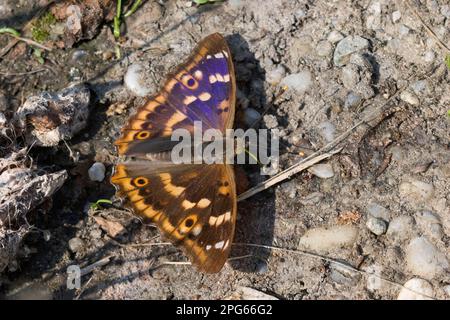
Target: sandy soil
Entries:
(385, 210)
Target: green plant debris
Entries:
(38, 55)
(11, 31)
(98, 204)
(40, 30)
(133, 9)
(117, 20)
(447, 61)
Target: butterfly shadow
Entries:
(255, 221)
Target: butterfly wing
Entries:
(193, 205)
(201, 89)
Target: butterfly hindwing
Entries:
(194, 205)
(201, 89)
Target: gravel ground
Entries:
(382, 205)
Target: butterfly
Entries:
(193, 205)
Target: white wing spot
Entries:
(219, 55)
(198, 75)
(219, 77)
(203, 203)
(208, 247)
(189, 100)
(196, 230)
(226, 78)
(212, 220)
(208, 56)
(219, 245)
(212, 79)
(205, 96)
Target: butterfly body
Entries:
(194, 205)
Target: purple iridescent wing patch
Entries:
(201, 89)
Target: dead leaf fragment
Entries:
(112, 228)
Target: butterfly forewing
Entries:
(194, 205)
(201, 89)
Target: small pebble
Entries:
(275, 76)
(416, 191)
(409, 97)
(425, 260)
(326, 239)
(97, 172)
(324, 48)
(396, 15)
(416, 289)
(270, 121)
(322, 170)
(353, 100)
(348, 46)
(75, 244)
(327, 130)
(401, 228)
(299, 82)
(3, 120)
(376, 225)
(429, 56)
(135, 81)
(251, 116)
(378, 211)
(335, 36)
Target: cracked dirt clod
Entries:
(48, 118)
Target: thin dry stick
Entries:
(95, 265)
(285, 174)
(330, 260)
(317, 156)
(430, 31)
(8, 74)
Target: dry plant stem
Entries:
(7, 74)
(330, 260)
(285, 174)
(317, 156)
(430, 31)
(100, 263)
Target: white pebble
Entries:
(430, 224)
(75, 244)
(429, 56)
(2, 119)
(348, 46)
(376, 225)
(377, 211)
(396, 15)
(324, 48)
(270, 121)
(424, 259)
(327, 130)
(416, 191)
(401, 228)
(97, 172)
(322, 170)
(135, 82)
(335, 36)
(409, 97)
(275, 76)
(326, 239)
(299, 82)
(416, 289)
